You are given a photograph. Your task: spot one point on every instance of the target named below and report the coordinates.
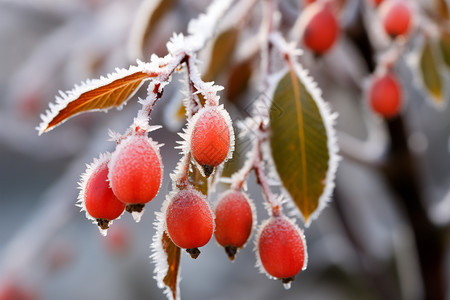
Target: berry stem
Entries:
(181, 178)
(255, 163)
(207, 89)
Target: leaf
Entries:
(173, 261)
(100, 94)
(444, 44)
(221, 53)
(150, 13)
(442, 9)
(431, 76)
(239, 78)
(303, 142)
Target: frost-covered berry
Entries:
(189, 220)
(234, 221)
(135, 171)
(321, 28)
(211, 137)
(96, 196)
(396, 16)
(281, 248)
(385, 95)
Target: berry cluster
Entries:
(127, 179)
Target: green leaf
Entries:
(222, 51)
(444, 44)
(431, 76)
(300, 130)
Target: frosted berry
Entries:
(396, 16)
(136, 171)
(96, 195)
(385, 95)
(321, 28)
(281, 248)
(234, 221)
(210, 141)
(189, 220)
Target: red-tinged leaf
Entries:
(173, 261)
(303, 142)
(442, 9)
(239, 78)
(101, 94)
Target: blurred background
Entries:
(383, 235)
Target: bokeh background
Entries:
(361, 247)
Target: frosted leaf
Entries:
(328, 119)
(64, 98)
(203, 28)
(159, 256)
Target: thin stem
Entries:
(182, 173)
(255, 163)
(208, 89)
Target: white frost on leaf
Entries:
(65, 98)
(159, 256)
(203, 28)
(328, 118)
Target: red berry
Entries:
(234, 221)
(396, 17)
(136, 171)
(385, 95)
(377, 2)
(97, 196)
(118, 240)
(281, 248)
(210, 141)
(189, 220)
(14, 290)
(321, 28)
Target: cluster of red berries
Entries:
(131, 176)
(127, 179)
(190, 223)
